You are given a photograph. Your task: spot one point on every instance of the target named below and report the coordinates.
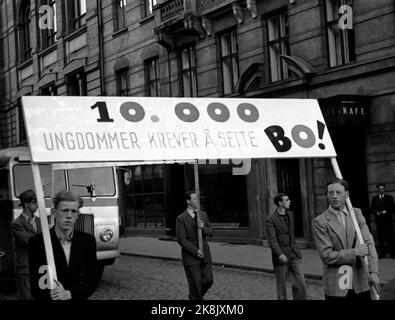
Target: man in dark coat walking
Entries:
(197, 263)
(286, 256)
(382, 209)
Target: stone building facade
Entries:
(341, 52)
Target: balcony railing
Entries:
(171, 9)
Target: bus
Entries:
(97, 186)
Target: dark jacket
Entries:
(387, 203)
(81, 276)
(187, 237)
(281, 237)
(22, 231)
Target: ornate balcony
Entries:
(171, 9)
(176, 22)
(181, 21)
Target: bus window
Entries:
(81, 181)
(23, 179)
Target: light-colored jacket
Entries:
(336, 249)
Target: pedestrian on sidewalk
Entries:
(382, 208)
(197, 263)
(286, 256)
(345, 275)
(74, 254)
(23, 228)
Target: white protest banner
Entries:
(77, 129)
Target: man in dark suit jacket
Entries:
(197, 264)
(382, 208)
(286, 256)
(23, 228)
(74, 254)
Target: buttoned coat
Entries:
(335, 245)
(281, 237)
(187, 237)
(386, 203)
(22, 231)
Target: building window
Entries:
(25, 50)
(229, 61)
(76, 12)
(152, 77)
(76, 84)
(341, 44)
(49, 36)
(278, 44)
(188, 72)
(120, 14)
(49, 90)
(149, 6)
(122, 82)
(145, 203)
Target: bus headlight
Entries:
(106, 235)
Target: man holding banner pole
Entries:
(197, 262)
(346, 248)
(74, 255)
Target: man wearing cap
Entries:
(24, 227)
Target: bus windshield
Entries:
(23, 179)
(82, 180)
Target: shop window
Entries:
(223, 195)
(152, 77)
(341, 43)
(229, 61)
(278, 44)
(145, 196)
(188, 72)
(288, 182)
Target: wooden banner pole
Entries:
(44, 226)
(197, 191)
(350, 208)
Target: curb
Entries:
(219, 264)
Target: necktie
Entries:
(342, 219)
(33, 223)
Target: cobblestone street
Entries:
(136, 278)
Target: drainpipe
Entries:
(101, 47)
(169, 71)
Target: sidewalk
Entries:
(251, 257)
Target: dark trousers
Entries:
(292, 269)
(200, 279)
(385, 233)
(351, 296)
(23, 285)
